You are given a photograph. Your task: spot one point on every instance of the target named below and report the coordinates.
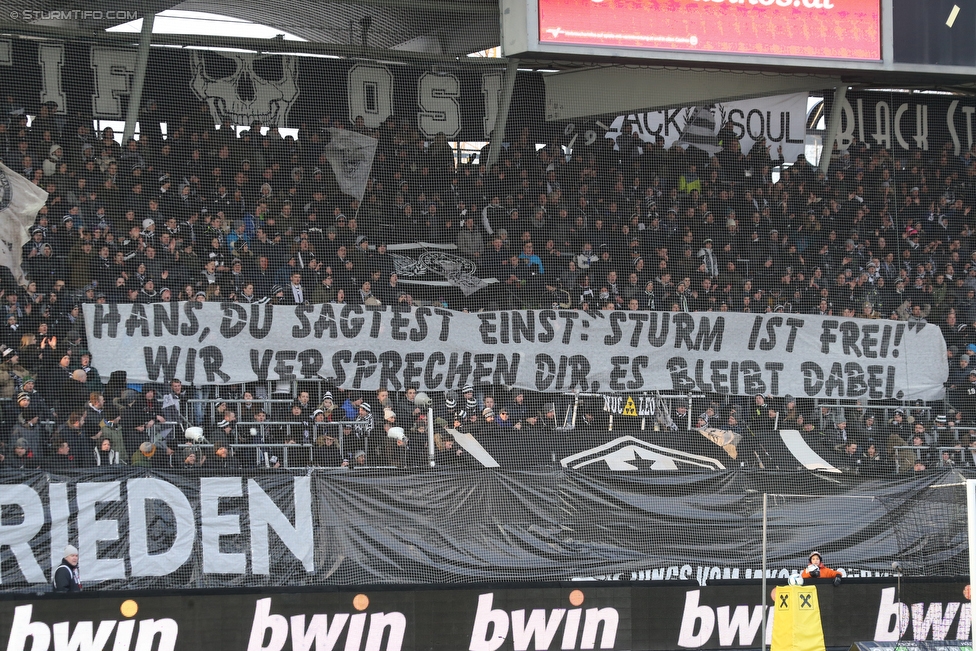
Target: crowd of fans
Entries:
(208, 214)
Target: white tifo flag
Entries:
(351, 156)
(19, 202)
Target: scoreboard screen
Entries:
(812, 29)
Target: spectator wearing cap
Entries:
(364, 422)
(869, 430)
(24, 419)
(11, 372)
(840, 435)
(224, 433)
(518, 409)
(67, 235)
(326, 452)
(20, 457)
(468, 400)
(33, 248)
(547, 416)
(897, 424)
(328, 407)
(360, 254)
(449, 411)
(941, 429)
(488, 420)
(358, 459)
(277, 295)
(66, 578)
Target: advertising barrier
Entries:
(581, 617)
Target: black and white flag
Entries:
(19, 202)
(351, 156)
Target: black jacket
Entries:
(66, 577)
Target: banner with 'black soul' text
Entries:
(434, 349)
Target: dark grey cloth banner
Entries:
(135, 529)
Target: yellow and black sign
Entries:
(623, 405)
(796, 620)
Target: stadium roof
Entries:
(433, 27)
(441, 31)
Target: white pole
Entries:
(764, 560)
(833, 126)
(139, 78)
(430, 436)
(970, 527)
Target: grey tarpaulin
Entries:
(440, 526)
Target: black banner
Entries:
(905, 122)
(283, 90)
(563, 618)
(338, 527)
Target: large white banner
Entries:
(435, 349)
(780, 119)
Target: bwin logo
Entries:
(84, 636)
(270, 632)
(492, 626)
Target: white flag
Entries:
(351, 156)
(19, 202)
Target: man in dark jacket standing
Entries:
(66, 576)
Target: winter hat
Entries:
(471, 405)
(488, 412)
(815, 553)
(467, 389)
(70, 550)
(365, 406)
